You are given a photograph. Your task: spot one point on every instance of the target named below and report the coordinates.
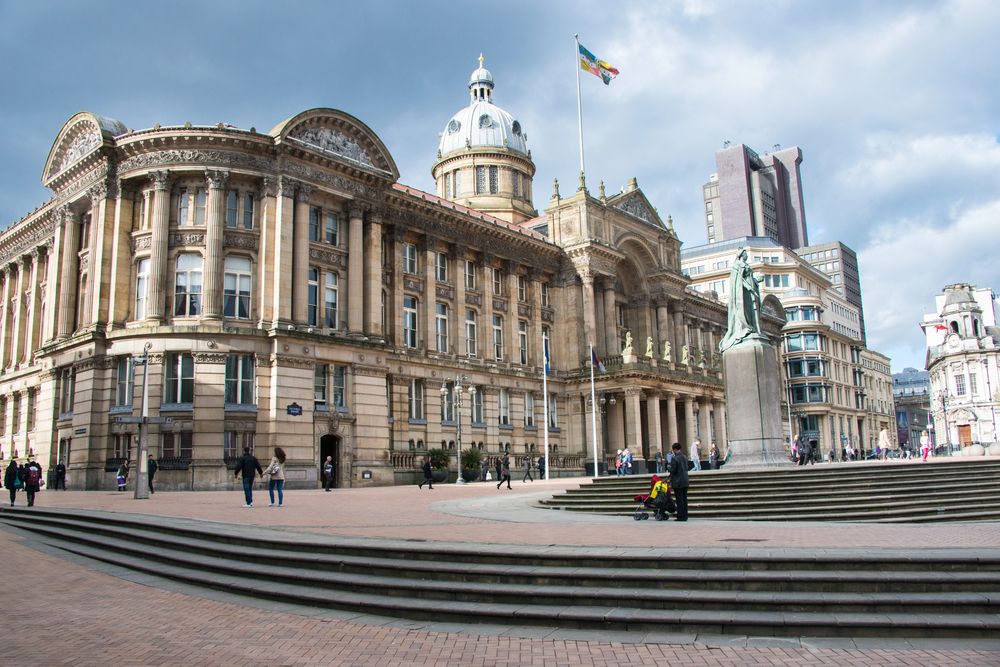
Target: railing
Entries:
(405, 460)
(178, 463)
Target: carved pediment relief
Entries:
(80, 136)
(324, 139)
(636, 205)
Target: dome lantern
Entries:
(481, 84)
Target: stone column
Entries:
(723, 427)
(70, 278)
(300, 255)
(34, 318)
(267, 276)
(718, 419)
(662, 328)
(398, 234)
(456, 254)
(537, 355)
(589, 313)
(689, 429)
(633, 423)
(672, 435)
(512, 343)
(373, 278)
(355, 270)
(95, 255)
(158, 273)
(5, 318)
(120, 280)
(653, 425)
(17, 304)
(486, 327)
(680, 333)
(52, 274)
(430, 296)
(214, 230)
(705, 423)
(610, 320)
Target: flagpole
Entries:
(593, 411)
(579, 103)
(545, 404)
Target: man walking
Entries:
(696, 454)
(247, 465)
(60, 475)
(328, 473)
(151, 468)
(504, 471)
(527, 470)
(31, 475)
(678, 469)
(428, 474)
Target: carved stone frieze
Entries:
(229, 159)
(370, 371)
(473, 299)
(523, 310)
(328, 256)
(548, 316)
(292, 362)
(500, 305)
(185, 239)
(444, 292)
(141, 243)
(240, 240)
(413, 284)
(329, 140)
(268, 186)
(210, 357)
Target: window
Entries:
(410, 322)
(248, 211)
(122, 445)
(441, 327)
(314, 218)
(522, 342)
(200, 198)
(319, 386)
(470, 274)
(552, 411)
(183, 202)
(458, 182)
(448, 402)
(504, 413)
(67, 391)
(515, 178)
(545, 344)
(480, 180)
(179, 369)
(124, 381)
(15, 418)
(960, 385)
(522, 288)
(805, 368)
(477, 407)
(234, 442)
(409, 258)
(177, 445)
(330, 294)
(236, 288)
(470, 332)
(447, 186)
(312, 297)
(3, 415)
(232, 208)
(808, 393)
(497, 282)
(187, 286)
(331, 228)
(239, 379)
(494, 179)
(32, 403)
(141, 288)
(498, 337)
(416, 399)
(441, 267)
(804, 341)
(339, 384)
(529, 410)
(545, 295)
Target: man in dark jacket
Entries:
(31, 475)
(61, 476)
(151, 469)
(678, 469)
(248, 464)
(428, 474)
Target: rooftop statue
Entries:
(744, 305)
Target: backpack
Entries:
(33, 476)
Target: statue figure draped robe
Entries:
(744, 305)
(649, 347)
(628, 344)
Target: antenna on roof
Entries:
(725, 144)
(776, 147)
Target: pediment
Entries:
(636, 205)
(82, 134)
(772, 307)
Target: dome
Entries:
(482, 123)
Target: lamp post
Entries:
(141, 479)
(606, 400)
(459, 383)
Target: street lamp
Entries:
(141, 478)
(459, 382)
(606, 400)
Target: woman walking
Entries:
(527, 470)
(12, 480)
(276, 470)
(504, 472)
(121, 477)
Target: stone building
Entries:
(911, 391)
(282, 288)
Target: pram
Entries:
(658, 499)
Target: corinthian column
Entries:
(215, 224)
(300, 251)
(610, 320)
(156, 299)
(69, 280)
(17, 305)
(355, 271)
(373, 277)
(31, 332)
(5, 318)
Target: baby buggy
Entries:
(658, 499)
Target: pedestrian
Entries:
(498, 467)
(328, 473)
(713, 457)
(527, 470)
(247, 465)
(31, 476)
(60, 475)
(121, 477)
(276, 473)
(811, 451)
(619, 462)
(541, 467)
(795, 449)
(428, 474)
(12, 479)
(679, 481)
(925, 445)
(151, 468)
(626, 462)
(659, 462)
(884, 443)
(484, 470)
(504, 471)
(696, 454)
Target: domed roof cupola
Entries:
(481, 84)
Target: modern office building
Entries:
(911, 390)
(756, 195)
(840, 264)
(283, 288)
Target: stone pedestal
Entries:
(753, 400)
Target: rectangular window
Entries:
(441, 267)
(339, 386)
(470, 274)
(236, 288)
(448, 402)
(545, 295)
(480, 180)
(515, 180)
(177, 445)
(187, 286)
(248, 205)
(183, 202)
(498, 337)
(522, 342)
(122, 444)
(312, 297)
(447, 186)
(504, 413)
(124, 379)
(494, 179)
(240, 379)
(458, 182)
(522, 288)
(477, 407)
(409, 258)
(410, 322)
(3, 416)
(553, 419)
(441, 327)
(470, 333)
(232, 208)
(497, 282)
(234, 442)
(315, 215)
(960, 385)
(416, 399)
(32, 403)
(545, 345)
(331, 292)
(179, 370)
(67, 391)
(972, 384)
(141, 288)
(320, 375)
(331, 228)
(529, 410)
(200, 200)
(15, 413)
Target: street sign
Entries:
(128, 420)
(149, 420)
(295, 410)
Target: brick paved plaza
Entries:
(70, 611)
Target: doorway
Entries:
(964, 434)
(329, 445)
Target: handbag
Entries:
(273, 469)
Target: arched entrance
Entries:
(329, 445)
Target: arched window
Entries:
(954, 326)
(187, 285)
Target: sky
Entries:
(895, 105)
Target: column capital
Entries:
(160, 179)
(268, 186)
(217, 179)
(98, 193)
(510, 266)
(397, 233)
(355, 210)
(286, 187)
(375, 216)
(456, 251)
(36, 252)
(304, 192)
(586, 275)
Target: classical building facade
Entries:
(963, 359)
(911, 391)
(282, 288)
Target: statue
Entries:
(649, 347)
(666, 351)
(744, 304)
(701, 358)
(628, 344)
(685, 358)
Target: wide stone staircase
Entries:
(744, 591)
(956, 489)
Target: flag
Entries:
(940, 327)
(596, 361)
(547, 371)
(599, 68)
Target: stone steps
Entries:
(744, 592)
(953, 490)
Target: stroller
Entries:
(658, 499)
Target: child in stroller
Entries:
(658, 499)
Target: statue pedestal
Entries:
(753, 405)
(630, 359)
